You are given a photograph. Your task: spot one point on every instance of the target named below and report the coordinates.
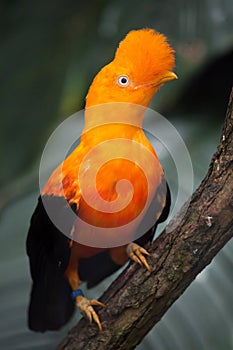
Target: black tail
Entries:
(50, 305)
(48, 249)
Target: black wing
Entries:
(148, 236)
(48, 249)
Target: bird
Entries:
(59, 263)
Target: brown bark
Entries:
(137, 300)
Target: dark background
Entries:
(50, 52)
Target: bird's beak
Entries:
(158, 82)
(167, 77)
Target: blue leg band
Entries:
(76, 293)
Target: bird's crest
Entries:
(145, 51)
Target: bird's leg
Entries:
(84, 305)
(136, 253)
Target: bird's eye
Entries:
(123, 80)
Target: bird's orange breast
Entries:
(109, 190)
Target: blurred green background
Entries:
(50, 51)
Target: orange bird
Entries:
(115, 229)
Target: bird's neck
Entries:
(111, 131)
(111, 124)
(111, 120)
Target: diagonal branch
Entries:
(137, 299)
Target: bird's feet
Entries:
(136, 253)
(86, 308)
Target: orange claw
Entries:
(136, 253)
(85, 306)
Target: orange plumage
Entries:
(142, 63)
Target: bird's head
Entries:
(142, 63)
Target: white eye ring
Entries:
(123, 80)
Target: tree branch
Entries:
(137, 300)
